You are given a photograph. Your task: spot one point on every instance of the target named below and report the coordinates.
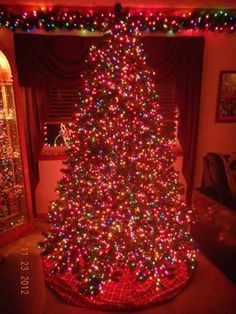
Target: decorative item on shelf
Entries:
(10, 115)
(16, 154)
(11, 221)
(4, 211)
(57, 134)
(64, 135)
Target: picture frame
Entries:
(226, 101)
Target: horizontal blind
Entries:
(167, 100)
(62, 102)
(168, 108)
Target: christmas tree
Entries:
(118, 236)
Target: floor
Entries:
(209, 290)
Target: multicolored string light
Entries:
(88, 19)
(11, 180)
(6, 174)
(118, 202)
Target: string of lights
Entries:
(99, 20)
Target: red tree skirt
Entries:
(125, 294)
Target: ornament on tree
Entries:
(118, 237)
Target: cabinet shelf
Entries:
(13, 204)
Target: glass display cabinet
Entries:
(13, 205)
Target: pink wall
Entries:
(219, 54)
(130, 3)
(50, 174)
(7, 40)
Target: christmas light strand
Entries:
(99, 20)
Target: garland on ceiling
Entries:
(98, 20)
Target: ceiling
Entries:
(223, 4)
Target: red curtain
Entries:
(180, 59)
(34, 102)
(44, 60)
(54, 60)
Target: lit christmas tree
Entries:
(118, 236)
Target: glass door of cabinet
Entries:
(13, 208)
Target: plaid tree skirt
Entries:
(125, 294)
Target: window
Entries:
(63, 99)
